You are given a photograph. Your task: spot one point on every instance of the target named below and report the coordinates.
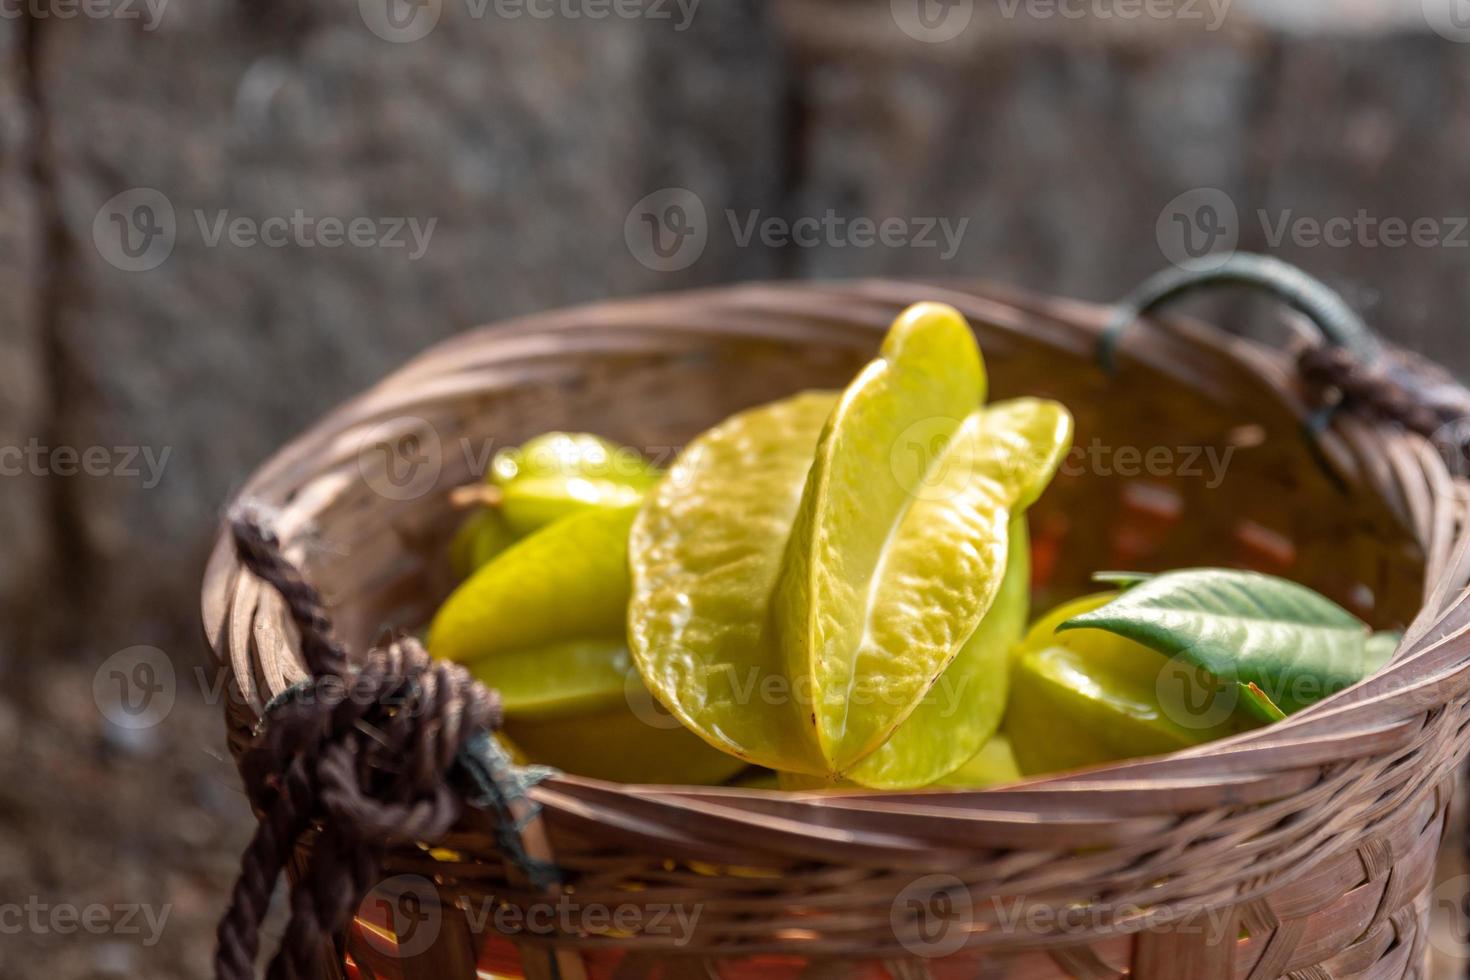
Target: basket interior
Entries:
(1176, 463)
(1195, 452)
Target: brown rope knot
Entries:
(363, 753)
(1399, 386)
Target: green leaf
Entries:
(1258, 705)
(1293, 644)
(1381, 647)
(1122, 580)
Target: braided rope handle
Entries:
(363, 753)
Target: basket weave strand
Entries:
(1312, 840)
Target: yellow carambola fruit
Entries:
(705, 552)
(543, 624)
(963, 709)
(756, 778)
(993, 765)
(808, 570)
(561, 473)
(481, 536)
(550, 477)
(880, 582)
(958, 717)
(1085, 697)
(568, 581)
(616, 744)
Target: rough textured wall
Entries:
(143, 318)
(1063, 149)
(490, 166)
(139, 320)
(25, 565)
(1041, 152)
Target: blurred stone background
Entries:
(1055, 139)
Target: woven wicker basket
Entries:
(1303, 850)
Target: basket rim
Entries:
(1380, 717)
